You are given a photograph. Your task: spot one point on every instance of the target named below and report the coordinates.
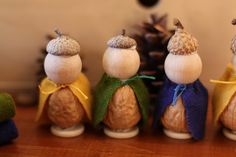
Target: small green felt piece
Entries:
(103, 94)
(105, 89)
(141, 94)
(7, 107)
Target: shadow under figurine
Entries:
(224, 97)
(182, 103)
(8, 130)
(121, 98)
(65, 92)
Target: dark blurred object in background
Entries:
(152, 46)
(148, 3)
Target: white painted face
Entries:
(121, 63)
(183, 69)
(62, 69)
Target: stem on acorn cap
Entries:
(123, 32)
(58, 32)
(178, 24)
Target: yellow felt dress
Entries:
(80, 88)
(223, 92)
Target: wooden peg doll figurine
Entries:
(8, 130)
(65, 93)
(121, 99)
(182, 103)
(224, 97)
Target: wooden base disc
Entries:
(229, 134)
(177, 135)
(122, 134)
(68, 132)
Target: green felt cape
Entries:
(7, 107)
(108, 86)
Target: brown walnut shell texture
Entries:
(228, 117)
(123, 110)
(174, 117)
(64, 109)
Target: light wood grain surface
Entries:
(36, 141)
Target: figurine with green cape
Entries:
(121, 98)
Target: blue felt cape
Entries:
(8, 131)
(195, 99)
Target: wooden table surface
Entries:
(36, 141)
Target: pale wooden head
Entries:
(62, 69)
(183, 69)
(121, 63)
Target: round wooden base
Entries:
(229, 134)
(177, 135)
(121, 134)
(68, 132)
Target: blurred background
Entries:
(25, 24)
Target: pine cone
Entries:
(152, 47)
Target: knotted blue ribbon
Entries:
(179, 89)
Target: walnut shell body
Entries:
(64, 109)
(228, 117)
(174, 117)
(123, 110)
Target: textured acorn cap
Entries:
(233, 41)
(182, 43)
(63, 45)
(121, 41)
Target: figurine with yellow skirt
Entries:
(224, 97)
(65, 93)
